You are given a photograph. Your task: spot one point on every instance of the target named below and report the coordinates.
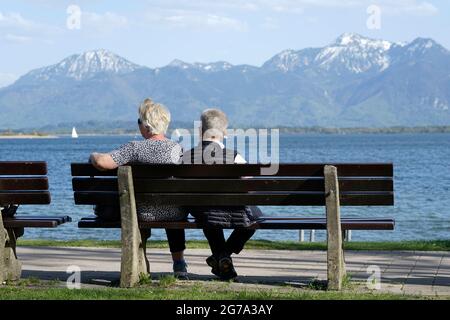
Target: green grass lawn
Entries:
(169, 289)
(432, 245)
(173, 290)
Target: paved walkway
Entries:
(410, 272)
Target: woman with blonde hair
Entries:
(153, 122)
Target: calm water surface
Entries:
(421, 164)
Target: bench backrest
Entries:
(212, 185)
(23, 183)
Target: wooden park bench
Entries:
(212, 185)
(21, 183)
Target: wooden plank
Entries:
(283, 218)
(307, 170)
(366, 199)
(255, 184)
(86, 169)
(93, 198)
(23, 168)
(23, 218)
(21, 183)
(142, 185)
(97, 223)
(370, 184)
(237, 170)
(335, 256)
(299, 223)
(24, 197)
(95, 184)
(230, 199)
(30, 223)
(316, 224)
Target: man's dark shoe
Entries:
(214, 264)
(180, 270)
(226, 269)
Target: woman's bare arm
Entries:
(102, 161)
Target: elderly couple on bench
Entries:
(153, 122)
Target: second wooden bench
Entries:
(21, 183)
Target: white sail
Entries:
(74, 133)
(176, 135)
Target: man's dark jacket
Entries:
(220, 216)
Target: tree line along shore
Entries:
(102, 129)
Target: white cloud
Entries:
(13, 38)
(270, 24)
(411, 7)
(415, 7)
(6, 79)
(17, 29)
(102, 22)
(15, 20)
(252, 5)
(203, 5)
(195, 19)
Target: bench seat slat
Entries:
(232, 185)
(322, 225)
(24, 197)
(23, 168)
(21, 183)
(237, 170)
(35, 222)
(61, 219)
(273, 223)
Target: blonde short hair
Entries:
(214, 123)
(154, 116)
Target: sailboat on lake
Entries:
(74, 133)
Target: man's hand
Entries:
(102, 161)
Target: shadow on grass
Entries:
(111, 278)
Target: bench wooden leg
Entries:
(134, 261)
(145, 235)
(335, 254)
(10, 266)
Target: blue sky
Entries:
(34, 33)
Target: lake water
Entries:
(421, 165)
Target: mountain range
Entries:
(353, 82)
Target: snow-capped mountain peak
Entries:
(355, 53)
(354, 39)
(200, 66)
(213, 66)
(348, 38)
(422, 45)
(289, 60)
(286, 60)
(85, 65)
(418, 49)
(350, 52)
(179, 64)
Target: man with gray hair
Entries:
(212, 151)
(213, 130)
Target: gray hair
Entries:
(154, 116)
(214, 124)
